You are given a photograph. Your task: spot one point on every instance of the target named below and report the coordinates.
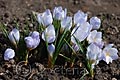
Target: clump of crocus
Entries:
(14, 36)
(9, 54)
(58, 31)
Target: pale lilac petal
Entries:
(75, 47)
(34, 35)
(93, 53)
(45, 18)
(59, 13)
(39, 18)
(95, 37)
(66, 23)
(14, 36)
(9, 54)
(49, 34)
(109, 53)
(95, 22)
(80, 17)
(81, 32)
(100, 44)
(51, 49)
(113, 54)
(108, 59)
(31, 43)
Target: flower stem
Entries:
(50, 65)
(26, 57)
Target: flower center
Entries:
(107, 54)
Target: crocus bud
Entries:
(66, 23)
(59, 13)
(80, 17)
(14, 36)
(51, 49)
(49, 34)
(9, 54)
(93, 54)
(45, 18)
(95, 22)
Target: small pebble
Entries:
(114, 79)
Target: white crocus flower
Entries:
(9, 54)
(33, 40)
(49, 34)
(109, 53)
(14, 36)
(45, 18)
(95, 37)
(51, 49)
(66, 23)
(80, 17)
(95, 22)
(93, 54)
(81, 32)
(59, 13)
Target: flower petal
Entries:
(51, 49)
(59, 13)
(95, 22)
(66, 23)
(49, 34)
(80, 17)
(14, 36)
(9, 54)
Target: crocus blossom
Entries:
(9, 54)
(66, 23)
(33, 40)
(95, 22)
(81, 32)
(109, 53)
(95, 37)
(14, 36)
(45, 18)
(59, 13)
(80, 17)
(51, 49)
(49, 34)
(93, 54)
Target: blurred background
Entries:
(20, 8)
